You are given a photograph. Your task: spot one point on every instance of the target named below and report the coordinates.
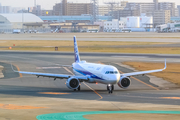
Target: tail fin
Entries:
(76, 52)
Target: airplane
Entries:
(92, 73)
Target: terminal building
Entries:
(74, 19)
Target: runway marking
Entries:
(18, 70)
(79, 115)
(68, 70)
(84, 83)
(17, 107)
(174, 98)
(93, 90)
(138, 80)
(53, 93)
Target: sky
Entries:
(48, 4)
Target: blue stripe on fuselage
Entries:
(88, 73)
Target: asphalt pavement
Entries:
(26, 96)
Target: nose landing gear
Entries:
(110, 88)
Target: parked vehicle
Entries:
(16, 31)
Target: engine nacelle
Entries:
(72, 83)
(124, 82)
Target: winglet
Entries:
(165, 66)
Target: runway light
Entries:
(96, 83)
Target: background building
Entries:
(5, 9)
(70, 9)
(161, 17)
(178, 7)
(79, 8)
(76, 19)
(114, 25)
(176, 12)
(167, 6)
(17, 21)
(125, 13)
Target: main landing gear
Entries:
(110, 88)
(79, 88)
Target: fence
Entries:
(41, 30)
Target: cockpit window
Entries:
(107, 72)
(111, 72)
(115, 72)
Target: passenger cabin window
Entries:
(111, 72)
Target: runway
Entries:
(26, 96)
(126, 37)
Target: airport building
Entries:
(114, 25)
(19, 21)
(175, 19)
(76, 19)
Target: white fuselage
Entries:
(97, 73)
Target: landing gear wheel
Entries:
(110, 88)
(107, 87)
(79, 88)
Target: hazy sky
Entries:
(47, 4)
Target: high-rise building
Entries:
(104, 9)
(142, 7)
(178, 9)
(79, 8)
(150, 7)
(161, 17)
(71, 9)
(37, 10)
(156, 4)
(125, 13)
(167, 6)
(5, 9)
(57, 9)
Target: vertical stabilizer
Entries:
(76, 52)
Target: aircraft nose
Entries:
(116, 78)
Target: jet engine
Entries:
(124, 82)
(72, 83)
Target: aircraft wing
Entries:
(55, 76)
(143, 72)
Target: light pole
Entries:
(22, 19)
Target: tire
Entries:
(79, 88)
(107, 87)
(112, 87)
